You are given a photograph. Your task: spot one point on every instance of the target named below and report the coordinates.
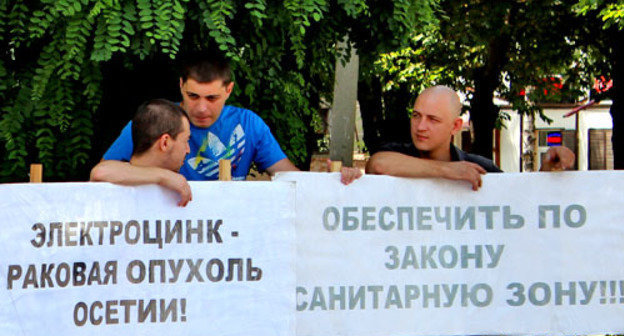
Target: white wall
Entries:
(510, 144)
(558, 121)
(593, 117)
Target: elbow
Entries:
(97, 174)
(100, 173)
(377, 166)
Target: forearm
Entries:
(282, 165)
(397, 164)
(124, 173)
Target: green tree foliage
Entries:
(488, 47)
(611, 12)
(52, 55)
(606, 47)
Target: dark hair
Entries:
(154, 118)
(205, 68)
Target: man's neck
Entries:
(145, 160)
(441, 154)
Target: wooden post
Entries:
(335, 166)
(536, 154)
(342, 114)
(521, 143)
(577, 142)
(225, 170)
(497, 149)
(36, 172)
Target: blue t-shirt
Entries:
(238, 135)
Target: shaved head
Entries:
(434, 122)
(445, 98)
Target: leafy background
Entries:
(72, 72)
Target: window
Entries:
(600, 149)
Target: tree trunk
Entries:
(398, 107)
(483, 114)
(617, 109)
(311, 137)
(371, 109)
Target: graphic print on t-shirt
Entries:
(206, 162)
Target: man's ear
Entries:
(229, 88)
(457, 125)
(164, 142)
(181, 83)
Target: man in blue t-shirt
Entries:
(217, 131)
(434, 121)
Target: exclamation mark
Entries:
(621, 291)
(183, 310)
(603, 292)
(612, 285)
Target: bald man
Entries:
(434, 121)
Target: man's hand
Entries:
(464, 171)
(125, 173)
(177, 183)
(349, 174)
(558, 158)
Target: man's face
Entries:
(433, 123)
(204, 101)
(179, 147)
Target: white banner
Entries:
(527, 254)
(99, 259)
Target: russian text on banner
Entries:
(526, 254)
(94, 258)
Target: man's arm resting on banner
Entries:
(124, 173)
(282, 165)
(558, 158)
(401, 165)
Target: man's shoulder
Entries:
(482, 161)
(231, 109)
(121, 148)
(399, 147)
(241, 114)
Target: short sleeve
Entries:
(268, 151)
(121, 149)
